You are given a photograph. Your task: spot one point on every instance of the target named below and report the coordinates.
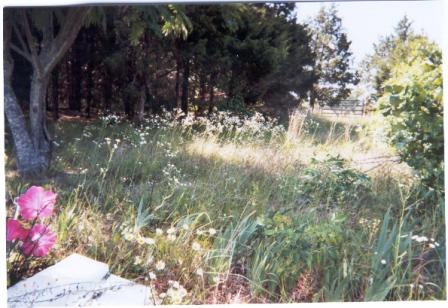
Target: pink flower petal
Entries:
(36, 202)
(14, 230)
(39, 242)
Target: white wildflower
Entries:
(422, 239)
(211, 231)
(149, 241)
(176, 294)
(171, 230)
(196, 246)
(383, 261)
(149, 259)
(174, 284)
(200, 272)
(152, 276)
(160, 265)
(137, 260)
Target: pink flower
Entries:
(14, 230)
(39, 241)
(36, 202)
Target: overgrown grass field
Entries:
(235, 209)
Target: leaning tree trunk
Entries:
(28, 159)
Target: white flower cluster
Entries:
(218, 123)
(176, 292)
(172, 173)
(111, 119)
(423, 239)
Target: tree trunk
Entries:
(38, 122)
(177, 88)
(34, 151)
(139, 116)
(89, 98)
(185, 86)
(211, 97)
(107, 90)
(75, 81)
(28, 160)
(91, 65)
(312, 99)
(55, 96)
(202, 94)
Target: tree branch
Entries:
(21, 52)
(30, 40)
(66, 35)
(20, 38)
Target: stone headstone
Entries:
(77, 281)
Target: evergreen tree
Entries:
(332, 68)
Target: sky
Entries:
(365, 22)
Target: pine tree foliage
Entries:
(333, 66)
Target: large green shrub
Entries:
(333, 183)
(412, 102)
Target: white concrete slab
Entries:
(77, 281)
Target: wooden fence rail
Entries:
(344, 108)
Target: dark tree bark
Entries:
(90, 68)
(211, 94)
(202, 93)
(75, 79)
(55, 95)
(107, 90)
(139, 116)
(185, 86)
(90, 86)
(177, 87)
(312, 99)
(40, 137)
